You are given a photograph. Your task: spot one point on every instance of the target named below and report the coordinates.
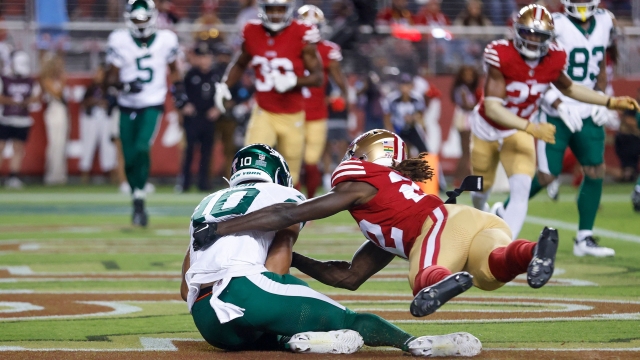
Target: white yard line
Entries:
(563, 225)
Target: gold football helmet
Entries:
(533, 31)
(377, 146)
(580, 9)
(275, 20)
(311, 14)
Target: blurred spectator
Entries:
(56, 119)
(51, 16)
(344, 23)
(19, 92)
(5, 51)
(403, 112)
(472, 15)
(114, 9)
(199, 113)
(553, 5)
(465, 94)
(208, 23)
(168, 14)
(431, 14)
(248, 11)
(369, 90)
(338, 138)
(397, 13)
(501, 11)
(96, 128)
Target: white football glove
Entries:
(600, 115)
(571, 117)
(284, 82)
(222, 94)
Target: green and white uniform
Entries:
(250, 308)
(140, 112)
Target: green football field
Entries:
(76, 278)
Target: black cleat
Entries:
(544, 256)
(635, 199)
(433, 297)
(139, 217)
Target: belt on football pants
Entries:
(204, 292)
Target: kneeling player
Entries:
(237, 303)
(449, 247)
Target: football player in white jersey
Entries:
(584, 31)
(239, 291)
(138, 59)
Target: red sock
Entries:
(313, 178)
(508, 262)
(429, 276)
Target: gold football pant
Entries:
(285, 132)
(516, 153)
(460, 238)
(315, 140)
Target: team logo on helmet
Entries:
(378, 146)
(259, 162)
(534, 31)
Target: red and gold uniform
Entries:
(404, 221)
(315, 106)
(278, 118)
(526, 82)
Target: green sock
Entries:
(588, 202)
(535, 189)
(376, 331)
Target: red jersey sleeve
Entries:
(352, 170)
(493, 51)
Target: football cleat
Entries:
(553, 189)
(544, 256)
(498, 209)
(456, 344)
(431, 298)
(589, 246)
(13, 183)
(635, 199)
(330, 342)
(139, 217)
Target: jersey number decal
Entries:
(233, 202)
(378, 238)
(265, 68)
(148, 70)
(579, 63)
(519, 92)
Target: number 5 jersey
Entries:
(145, 62)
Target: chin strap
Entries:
(470, 183)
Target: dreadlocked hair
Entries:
(416, 169)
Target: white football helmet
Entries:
(276, 22)
(311, 14)
(580, 9)
(21, 63)
(140, 17)
(533, 21)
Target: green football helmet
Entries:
(259, 162)
(140, 17)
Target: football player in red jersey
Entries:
(315, 102)
(449, 247)
(280, 49)
(519, 72)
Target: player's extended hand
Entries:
(623, 103)
(284, 81)
(222, 94)
(543, 131)
(599, 115)
(571, 117)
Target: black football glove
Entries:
(204, 235)
(133, 87)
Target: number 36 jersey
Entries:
(280, 52)
(525, 82)
(393, 219)
(144, 62)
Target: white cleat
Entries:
(456, 344)
(498, 209)
(589, 246)
(553, 189)
(330, 342)
(14, 183)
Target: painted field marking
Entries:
(17, 306)
(18, 270)
(560, 307)
(558, 224)
(119, 308)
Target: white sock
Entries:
(582, 234)
(516, 211)
(139, 194)
(479, 199)
(637, 188)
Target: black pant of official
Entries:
(198, 130)
(411, 136)
(628, 151)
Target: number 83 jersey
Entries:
(281, 52)
(144, 62)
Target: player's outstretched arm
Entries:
(313, 64)
(279, 256)
(495, 90)
(367, 261)
(586, 95)
(237, 67)
(280, 216)
(335, 71)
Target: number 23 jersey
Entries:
(525, 84)
(393, 219)
(280, 52)
(146, 63)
